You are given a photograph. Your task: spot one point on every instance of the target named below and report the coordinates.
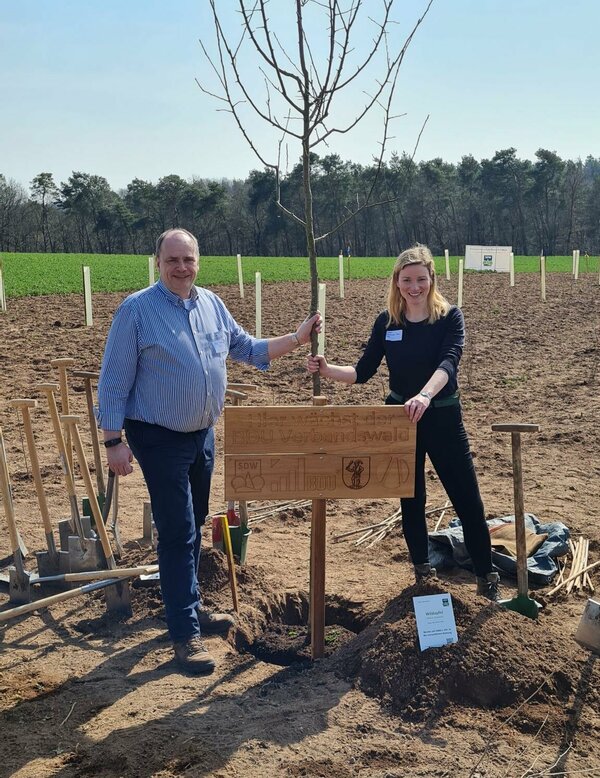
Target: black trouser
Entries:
(442, 435)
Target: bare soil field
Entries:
(84, 695)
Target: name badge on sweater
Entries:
(394, 334)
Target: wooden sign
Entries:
(318, 452)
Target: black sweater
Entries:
(414, 351)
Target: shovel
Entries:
(111, 500)
(85, 552)
(61, 365)
(53, 561)
(118, 600)
(522, 603)
(19, 578)
(88, 377)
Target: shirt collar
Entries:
(175, 298)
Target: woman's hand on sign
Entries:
(416, 407)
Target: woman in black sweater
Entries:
(421, 337)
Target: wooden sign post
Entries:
(319, 452)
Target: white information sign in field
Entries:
(435, 620)
(494, 258)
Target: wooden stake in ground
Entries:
(151, 265)
(511, 268)
(2, 293)
(258, 291)
(87, 296)
(317, 570)
(341, 274)
(240, 275)
(461, 270)
(543, 277)
(447, 259)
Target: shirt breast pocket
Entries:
(218, 345)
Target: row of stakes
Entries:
(85, 553)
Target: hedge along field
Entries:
(42, 274)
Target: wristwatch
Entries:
(295, 339)
(112, 442)
(426, 394)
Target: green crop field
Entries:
(41, 274)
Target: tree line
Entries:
(550, 205)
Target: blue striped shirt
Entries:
(164, 364)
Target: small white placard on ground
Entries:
(435, 620)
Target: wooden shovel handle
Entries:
(24, 406)
(71, 423)
(235, 395)
(7, 499)
(49, 390)
(89, 398)
(515, 427)
(21, 610)
(23, 402)
(86, 374)
(522, 575)
(242, 387)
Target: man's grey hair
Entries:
(166, 233)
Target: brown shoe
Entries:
(191, 655)
(214, 623)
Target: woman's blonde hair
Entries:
(437, 305)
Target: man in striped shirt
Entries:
(163, 381)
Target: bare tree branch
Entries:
(309, 86)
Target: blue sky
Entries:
(108, 87)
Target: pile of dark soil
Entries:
(501, 657)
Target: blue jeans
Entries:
(177, 467)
